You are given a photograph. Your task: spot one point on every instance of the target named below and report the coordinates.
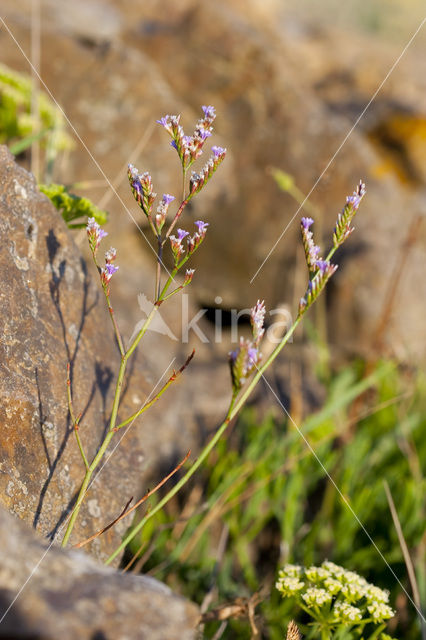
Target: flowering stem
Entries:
(149, 404)
(159, 262)
(234, 408)
(176, 218)
(203, 455)
(75, 420)
(114, 323)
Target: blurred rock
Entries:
(69, 596)
(284, 98)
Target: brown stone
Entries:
(65, 594)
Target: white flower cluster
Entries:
(380, 611)
(344, 612)
(347, 597)
(316, 597)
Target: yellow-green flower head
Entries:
(380, 612)
(344, 612)
(315, 597)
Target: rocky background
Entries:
(288, 83)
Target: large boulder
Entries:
(48, 593)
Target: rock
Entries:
(283, 98)
(65, 594)
(53, 314)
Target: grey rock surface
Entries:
(66, 594)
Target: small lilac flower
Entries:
(307, 222)
(218, 151)
(252, 354)
(164, 121)
(322, 265)
(204, 134)
(311, 249)
(176, 244)
(95, 234)
(209, 112)
(182, 234)
(107, 272)
(167, 198)
(201, 226)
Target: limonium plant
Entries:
(340, 603)
(247, 365)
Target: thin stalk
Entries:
(176, 218)
(84, 487)
(234, 408)
(179, 484)
(75, 420)
(100, 453)
(114, 324)
(149, 404)
(159, 263)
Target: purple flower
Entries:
(218, 151)
(107, 272)
(204, 133)
(182, 234)
(111, 269)
(209, 112)
(164, 121)
(322, 265)
(257, 317)
(167, 199)
(94, 234)
(307, 222)
(252, 354)
(312, 250)
(201, 226)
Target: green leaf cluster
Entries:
(73, 207)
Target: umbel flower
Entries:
(334, 596)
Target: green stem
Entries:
(234, 408)
(203, 455)
(84, 487)
(114, 323)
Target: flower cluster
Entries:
(95, 234)
(192, 242)
(200, 178)
(320, 270)
(162, 209)
(189, 148)
(141, 186)
(343, 227)
(246, 356)
(334, 596)
(109, 269)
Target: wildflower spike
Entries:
(343, 227)
(94, 234)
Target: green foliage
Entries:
(266, 494)
(73, 207)
(18, 126)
